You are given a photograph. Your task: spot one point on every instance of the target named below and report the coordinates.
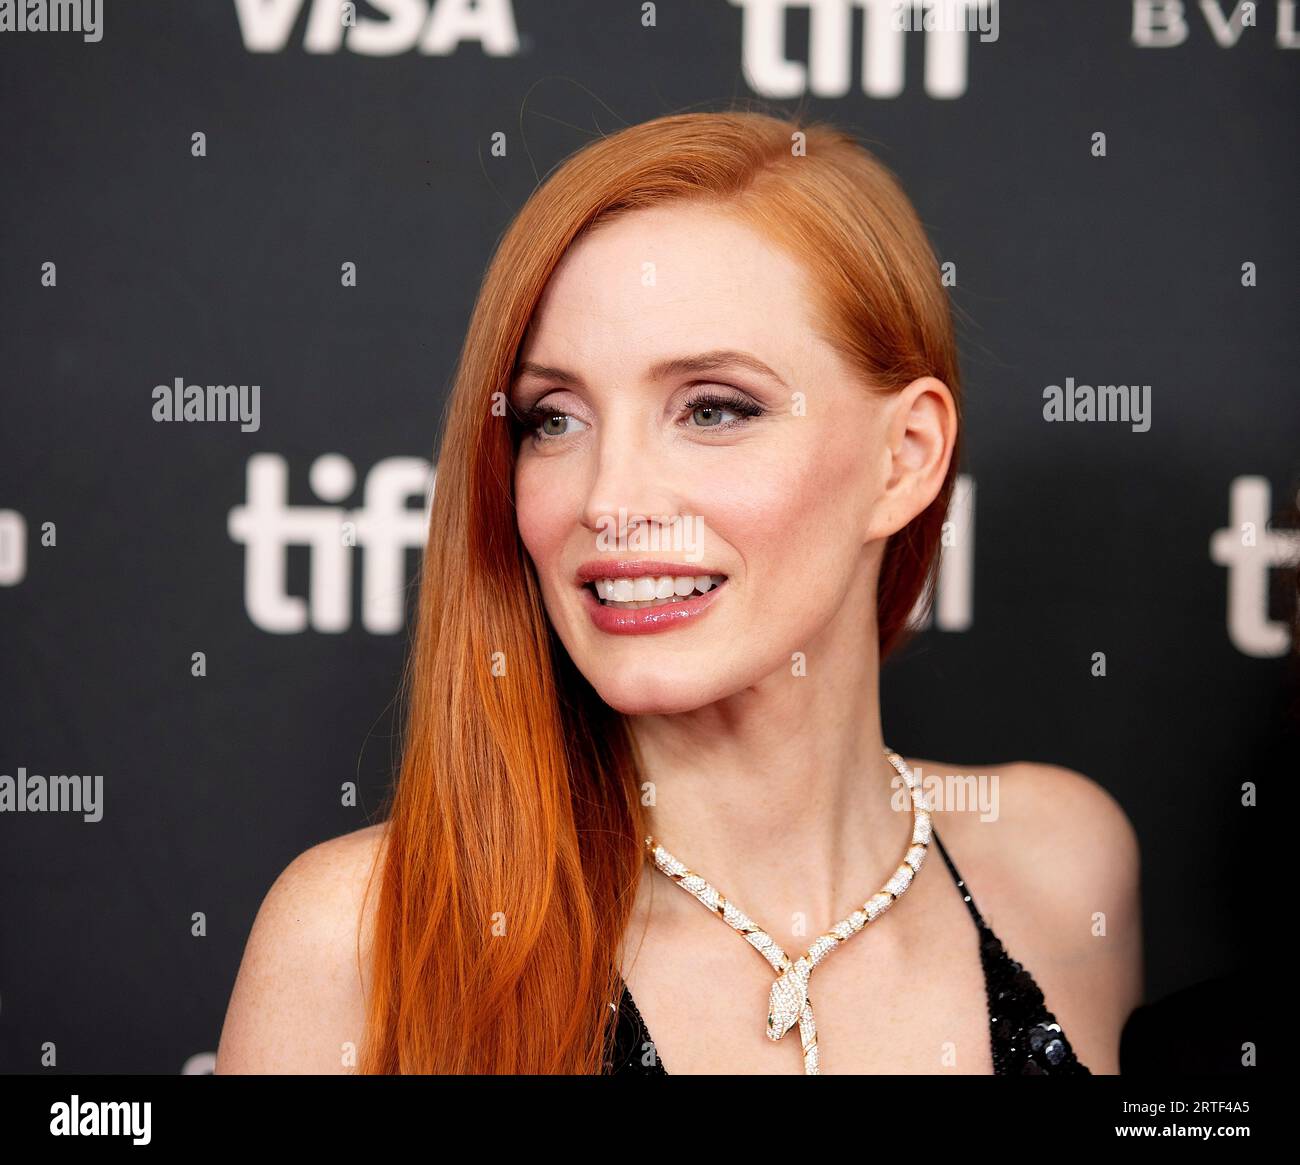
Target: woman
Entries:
(692, 484)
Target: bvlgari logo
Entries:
(431, 27)
(1166, 24)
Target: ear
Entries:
(921, 432)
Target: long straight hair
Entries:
(512, 847)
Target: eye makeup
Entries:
(736, 403)
(715, 399)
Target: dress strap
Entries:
(961, 884)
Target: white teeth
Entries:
(654, 590)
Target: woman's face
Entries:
(777, 482)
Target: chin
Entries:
(661, 693)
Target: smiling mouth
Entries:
(631, 594)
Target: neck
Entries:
(781, 796)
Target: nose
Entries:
(631, 483)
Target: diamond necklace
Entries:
(788, 1002)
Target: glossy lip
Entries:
(647, 620)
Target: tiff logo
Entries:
(433, 29)
(954, 590)
(384, 526)
(1249, 549)
(13, 548)
(945, 25)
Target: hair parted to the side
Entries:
(513, 839)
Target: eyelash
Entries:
(530, 420)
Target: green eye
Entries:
(710, 416)
(548, 424)
(708, 408)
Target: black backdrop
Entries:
(120, 937)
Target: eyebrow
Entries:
(675, 366)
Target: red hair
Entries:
(513, 842)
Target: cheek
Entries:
(541, 513)
(790, 510)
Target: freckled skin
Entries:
(786, 500)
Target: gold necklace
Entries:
(788, 1002)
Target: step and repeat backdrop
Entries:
(296, 199)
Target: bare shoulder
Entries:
(298, 1001)
(1054, 864)
(1034, 816)
(1056, 815)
